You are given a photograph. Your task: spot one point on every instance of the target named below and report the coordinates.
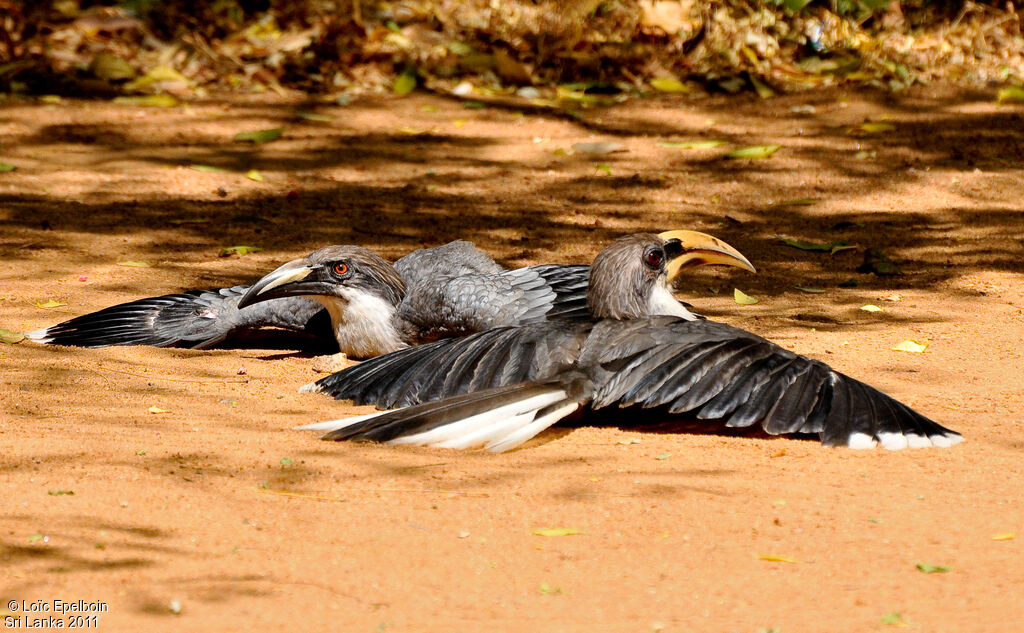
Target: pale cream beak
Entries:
(700, 249)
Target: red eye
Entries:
(340, 268)
(654, 258)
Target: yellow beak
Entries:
(701, 249)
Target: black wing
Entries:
(495, 358)
(198, 318)
(715, 372)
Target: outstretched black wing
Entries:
(198, 318)
(697, 369)
(716, 372)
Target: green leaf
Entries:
(133, 264)
(9, 337)
(664, 456)
(474, 105)
(932, 569)
(239, 250)
(210, 169)
(892, 619)
(6, 167)
(556, 531)
(605, 168)
(813, 291)
(57, 493)
(690, 144)
(148, 101)
(35, 537)
(314, 116)
(252, 174)
(754, 151)
(50, 303)
(874, 127)
(260, 136)
(796, 5)
(742, 298)
(1010, 93)
(668, 84)
(141, 452)
(404, 83)
(285, 461)
(545, 588)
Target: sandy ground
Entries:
(215, 515)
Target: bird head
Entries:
(630, 277)
(333, 275)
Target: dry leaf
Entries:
(50, 303)
(9, 337)
(668, 84)
(874, 127)
(742, 298)
(754, 151)
(690, 144)
(909, 345)
(775, 558)
(133, 264)
(870, 308)
(260, 136)
(556, 531)
(148, 101)
(156, 409)
(404, 83)
(239, 250)
(1005, 536)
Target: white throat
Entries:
(663, 303)
(363, 324)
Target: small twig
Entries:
(187, 380)
(324, 498)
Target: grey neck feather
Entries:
(620, 284)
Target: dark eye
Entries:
(653, 258)
(341, 268)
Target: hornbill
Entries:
(376, 309)
(203, 318)
(499, 388)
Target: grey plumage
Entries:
(500, 387)
(453, 293)
(205, 318)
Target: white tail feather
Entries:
(529, 431)
(477, 430)
(332, 425)
(39, 336)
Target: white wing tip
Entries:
(898, 441)
(946, 440)
(310, 388)
(39, 336)
(861, 441)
